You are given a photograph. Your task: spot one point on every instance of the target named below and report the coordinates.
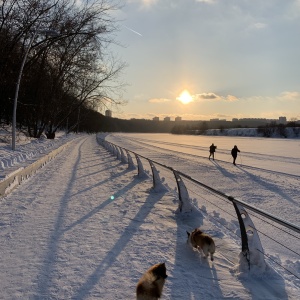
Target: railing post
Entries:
(252, 250)
(100, 141)
(109, 147)
(184, 198)
(123, 157)
(118, 153)
(115, 150)
(130, 161)
(157, 182)
(141, 171)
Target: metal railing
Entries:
(247, 227)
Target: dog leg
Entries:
(205, 251)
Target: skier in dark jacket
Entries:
(212, 150)
(234, 152)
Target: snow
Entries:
(27, 151)
(86, 226)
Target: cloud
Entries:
(283, 97)
(206, 1)
(213, 96)
(293, 11)
(159, 100)
(143, 3)
(231, 98)
(259, 25)
(205, 96)
(290, 96)
(148, 3)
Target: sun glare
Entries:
(185, 97)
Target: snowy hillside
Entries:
(289, 132)
(27, 151)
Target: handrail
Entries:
(252, 251)
(246, 205)
(250, 240)
(230, 198)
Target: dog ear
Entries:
(188, 233)
(160, 271)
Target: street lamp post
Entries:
(14, 120)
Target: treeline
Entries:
(191, 128)
(68, 72)
(135, 125)
(278, 129)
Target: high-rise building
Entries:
(108, 113)
(282, 120)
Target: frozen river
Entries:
(280, 155)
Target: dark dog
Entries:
(151, 284)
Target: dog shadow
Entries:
(191, 269)
(45, 281)
(115, 251)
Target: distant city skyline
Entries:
(178, 118)
(205, 59)
(281, 119)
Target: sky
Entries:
(85, 226)
(233, 59)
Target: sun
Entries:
(185, 97)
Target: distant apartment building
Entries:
(156, 119)
(217, 119)
(178, 119)
(108, 113)
(167, 119)
(282, 120)
(254, 122)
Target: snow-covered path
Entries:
(85, 227)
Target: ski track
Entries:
(256, 186)
(204, 149)
(256, 159)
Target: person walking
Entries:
(234, 153)
(212, 150)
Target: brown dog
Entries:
(151, 284)
(200, 240)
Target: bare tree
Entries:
(63, 72)
(84, 69)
